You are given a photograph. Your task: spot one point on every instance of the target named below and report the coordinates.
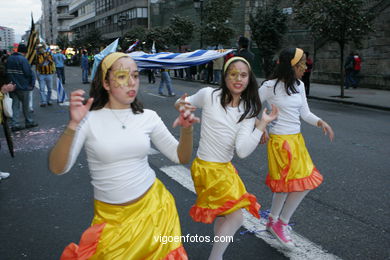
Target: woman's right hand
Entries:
(78, 110)
(267, 118)
(186, 117)
(8, 88)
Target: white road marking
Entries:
(156, 95)
(304, 250)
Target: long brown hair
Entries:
(100, 94)
(250, 96)
(285, 72)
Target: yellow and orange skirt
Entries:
(132, 231)
(220, 191)
(290, 166)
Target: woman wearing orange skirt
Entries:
(228, 123)
(292, 173)
(133, 209)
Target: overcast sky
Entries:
(16, 14)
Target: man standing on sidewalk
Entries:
(348, 66)
(306, 75)
(20, 73)
(84, 67)
(243, 51)
(59, 60)
(45, 70)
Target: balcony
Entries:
(65, 16)
(63, 2)
(63, 28)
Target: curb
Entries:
(350, 103)
(314, 97)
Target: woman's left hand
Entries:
(326, 128)
(186, 117)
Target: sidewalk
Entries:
(366, 97)
(374, 98)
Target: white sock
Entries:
(278, 200)
(226, 227)
(291, 204)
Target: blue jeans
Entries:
(19, 96)
(85, 75)
(165, 79)
(217, 76)
(61, 73)
(45, 81)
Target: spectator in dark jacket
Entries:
(20, 73)
(243, 45)
(85, 67)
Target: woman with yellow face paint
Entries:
(133, 209)
(228, 124)
(292, 173)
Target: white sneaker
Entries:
(4, 175)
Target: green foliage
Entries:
(135, 33)
(341, 21)
(161, 36)
(92, 40)
(181, 30)
(215, 28)
(63, 41)
(268, 26)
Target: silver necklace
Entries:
(123, 123)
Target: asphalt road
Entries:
(347, 216)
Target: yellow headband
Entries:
(109, 60)
(297, 57)
(236, 58)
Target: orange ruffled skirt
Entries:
(220, 191)
(135, 231)
(290, 166)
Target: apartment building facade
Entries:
(7, 38)
(55, 20)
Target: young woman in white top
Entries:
(132, 208)
(292, 173)
(228, 124)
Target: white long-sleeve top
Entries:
(290, 107)
(118, 158)
(220, 133)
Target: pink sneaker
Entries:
(271, 222)
(281, 231)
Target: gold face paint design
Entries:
(121, 77)
(234, 74)
(301, 65)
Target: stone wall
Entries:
(375, 53)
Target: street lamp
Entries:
(198, 5)
(122, 20)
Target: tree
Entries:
(181, 29)
(92, 40)
(215, 27)
(160, 35)
(340, 21)
(63, 41)
(268, 26)
(135, 33)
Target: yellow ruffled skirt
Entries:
(290, 166)
(220, 191)
(133, 231)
